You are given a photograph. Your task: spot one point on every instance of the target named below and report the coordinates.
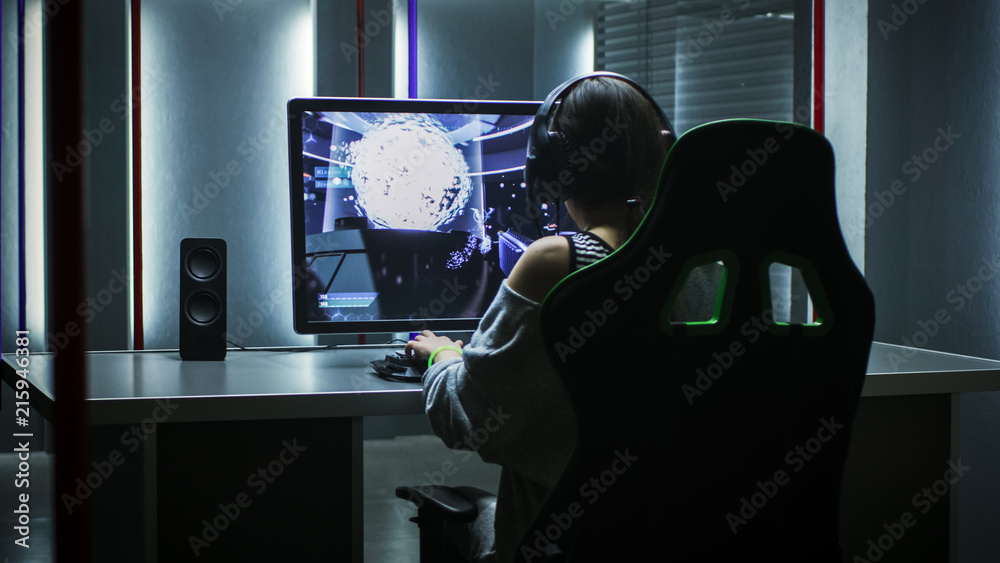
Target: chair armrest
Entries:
(454, 504)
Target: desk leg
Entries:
(113, 487)
(149, 499)
(899, 454)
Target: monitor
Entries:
(405, 214)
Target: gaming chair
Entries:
(723, 439)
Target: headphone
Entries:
(548, 154)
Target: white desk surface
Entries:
(900, 370)
(124, 387)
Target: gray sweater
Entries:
(503, 400)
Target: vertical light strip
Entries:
(135, 161)
(400, 50)
(304, 32)
(21, 285)
(411, 14)
(314, 30)
(130, 223)
(819, 74)
(34, 168)
(819, 65)
(585, 51)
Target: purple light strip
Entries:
(411, 12)
(22, 292)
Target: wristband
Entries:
(430, 360)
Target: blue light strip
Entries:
(411, 13)
(22, 293)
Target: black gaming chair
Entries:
(723, 439)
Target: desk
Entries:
(906, 436)
(195, 436)
(207, 428)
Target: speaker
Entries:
(203, 299)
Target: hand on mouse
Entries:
(425, 343)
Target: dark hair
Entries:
(613, 141)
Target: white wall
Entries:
(846, 106)
(469, 50)
(215, 155)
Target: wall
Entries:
(845, 103)
(209, 73)
(470, 50)
(106, 180)
(30, 43)
(563, 43)
(215, 155)
(933, 235)
(104, 139)
(337, 47)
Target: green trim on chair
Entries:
(723, 301)
(821, 303)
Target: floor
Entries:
(389, 536)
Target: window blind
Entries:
(703, 60)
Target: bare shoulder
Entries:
(543, 265)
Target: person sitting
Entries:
(499, 395)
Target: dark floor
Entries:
(389, 536)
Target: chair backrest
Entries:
(726, 439)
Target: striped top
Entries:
(585, 249)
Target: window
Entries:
(704, 60)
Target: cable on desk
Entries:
(305, 349)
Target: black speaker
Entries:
(203, 299)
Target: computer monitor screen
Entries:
(404, 213)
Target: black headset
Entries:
(547, 154)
